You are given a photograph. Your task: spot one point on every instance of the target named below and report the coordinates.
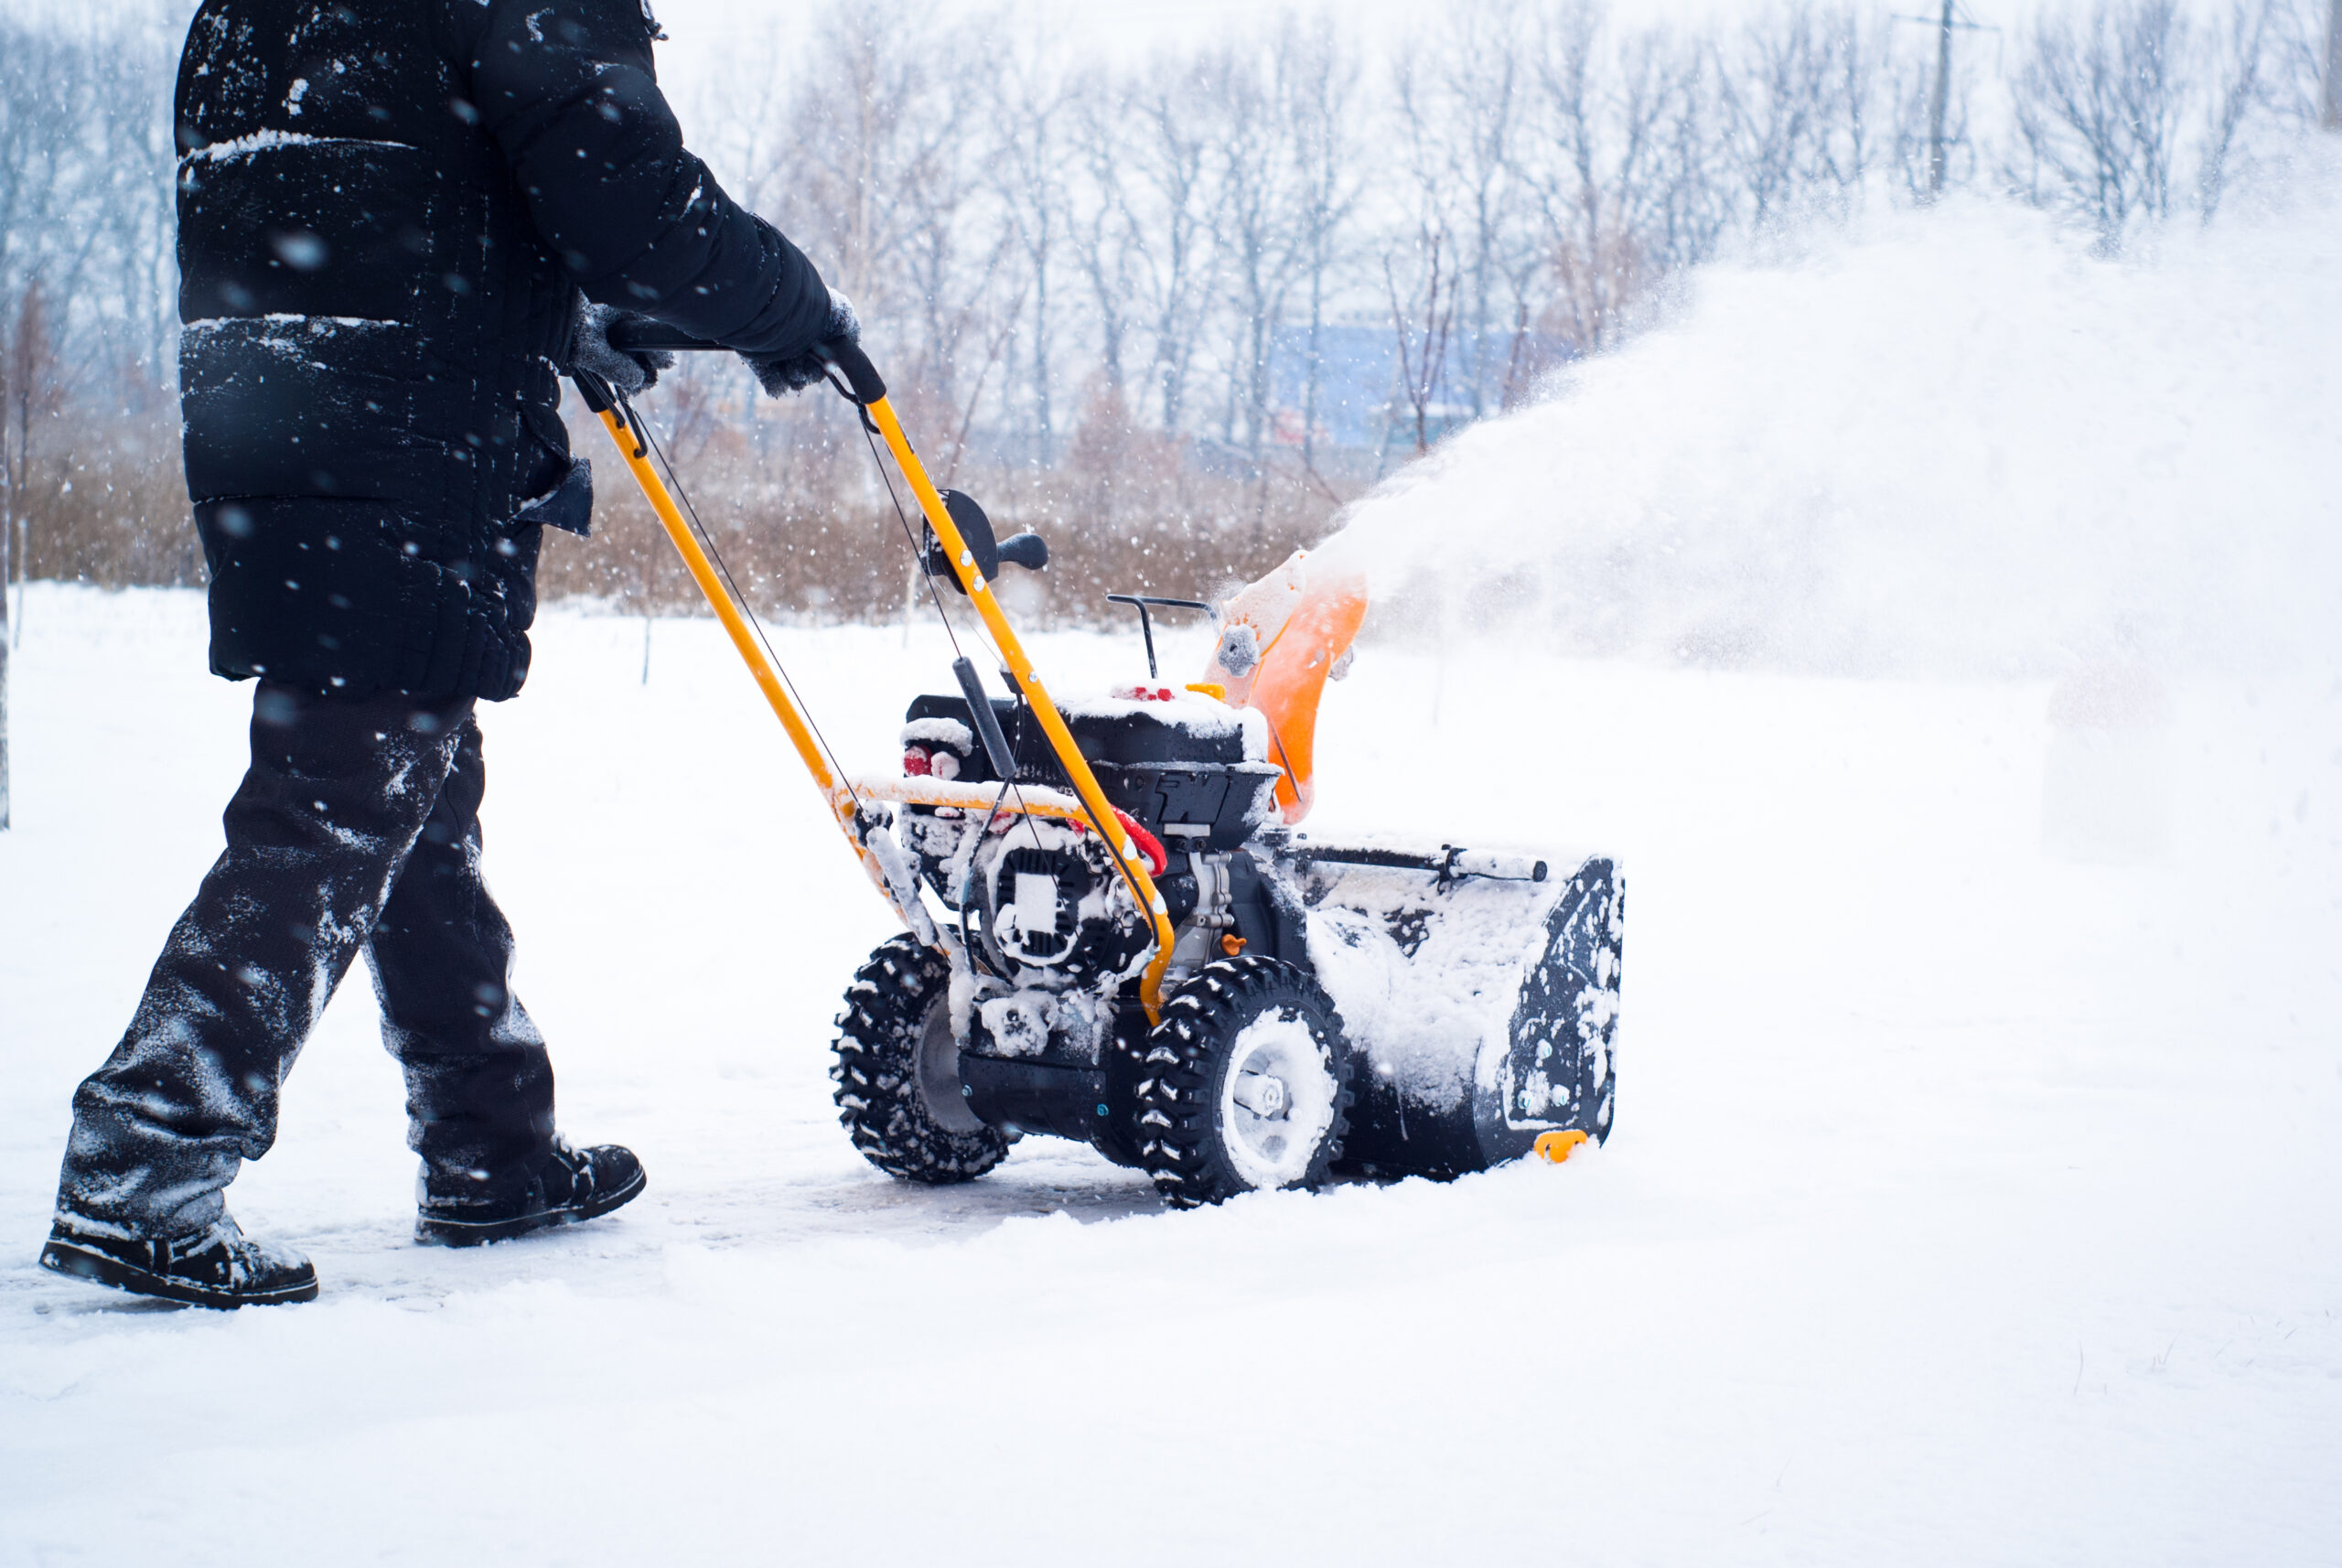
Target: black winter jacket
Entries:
(387, 213)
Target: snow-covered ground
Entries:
(1969, 1202)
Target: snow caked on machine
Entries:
(1115, 930)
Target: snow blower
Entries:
(1115, 931)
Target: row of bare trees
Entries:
(2125, 115)
(1213, 292)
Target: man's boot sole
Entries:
(472, 1233)
(85, 1264)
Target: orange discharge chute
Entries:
(1278, 640)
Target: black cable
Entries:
(707, 542)
(869, 433)
(920, 564)
(918, 561)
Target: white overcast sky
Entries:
(1131, 28)
(1131, 25)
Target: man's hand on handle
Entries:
(839, 352)
(780, 376)
(629, 370)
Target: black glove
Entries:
(781, 374)
(628, 370)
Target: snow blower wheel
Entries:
(897, 1071)
(1245, 1085)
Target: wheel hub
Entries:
(1263, 1094)
(1278, 1100)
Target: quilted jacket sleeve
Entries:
(568, 92)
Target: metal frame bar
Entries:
(1088, 796)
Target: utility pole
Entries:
(1939, 99)
(5, 521)
(7, 527)
(2330, 113)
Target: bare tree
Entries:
(1320, 79)
(1107, 243)
(1602, 114)
(1798, 101)
(32, 395)
(2298, 73)
(2100, 110)
(2238, 49)
(1423, 329)
(1172, 195)
(1689, 204)
(132, 144)
(1460, 93)
(1259, 228)
(868, 164)
(1031, 167)
(30, 398)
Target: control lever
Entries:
(1147, 622)
(987, 723)
(1027, 549)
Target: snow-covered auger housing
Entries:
(1115, 931)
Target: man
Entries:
(392, 219)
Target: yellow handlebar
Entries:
(836, 791)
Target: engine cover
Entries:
(1056, 910)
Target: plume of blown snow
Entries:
(1951, 441)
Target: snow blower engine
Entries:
(1115, 931)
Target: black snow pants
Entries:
(356, 829)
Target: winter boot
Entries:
(216, 1267)
(572, 1185)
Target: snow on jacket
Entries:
(387, 213)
